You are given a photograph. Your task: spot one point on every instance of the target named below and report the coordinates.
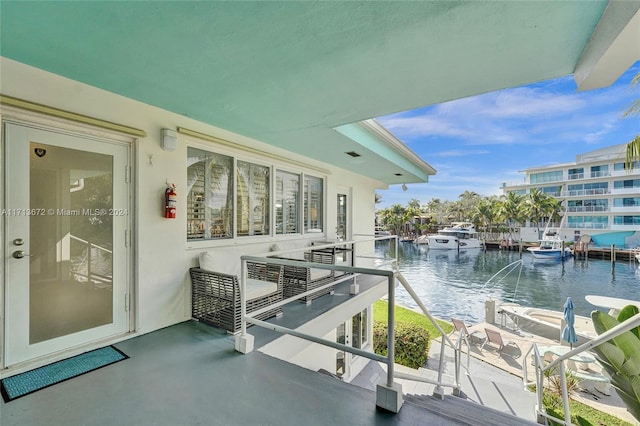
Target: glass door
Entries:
(67, 221)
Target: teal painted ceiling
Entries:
(287, 73)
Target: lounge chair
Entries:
(300, 279)
(495, 338)
(475, 337)
(216, 289)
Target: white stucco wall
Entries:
(162, 256)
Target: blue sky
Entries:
(477, 143)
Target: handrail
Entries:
(353, 271)
(541, 368)
(90, 273)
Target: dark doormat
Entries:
(42, 377)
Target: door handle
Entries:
(19, 254)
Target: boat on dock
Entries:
(460, 235)
(545, 322)
(548, 323)
(551, 245)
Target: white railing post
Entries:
(243, 342)
(391, 332)
(539, 386)
(439, 390)
(389, 396)
(565, 396)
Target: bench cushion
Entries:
(317, 273)
(258, 288)
(224, 261)
(290, 245)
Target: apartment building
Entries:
(600, 196)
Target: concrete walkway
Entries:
(513, 358)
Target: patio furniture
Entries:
(579, 365)
(474, 337)
(216, 289)
(300, 279)
(495, 338)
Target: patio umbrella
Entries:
(568, 332)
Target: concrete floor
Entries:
(189, 374)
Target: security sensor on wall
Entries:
(169, 140)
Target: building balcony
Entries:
(190, 373)
(587, 209)
(588, 225)
(585, 192)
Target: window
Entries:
(287, 202)
(313, 194)
(210, 192)
(229, 197)
(623, 166)
(629, 183)
(588, 222)
(252, 199)
(626, 202)
(576, 173)
(599, 171)
(626, 220)
(552, 191)
(359, 330)
(546, 177)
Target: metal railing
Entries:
(91, 275)
(352, 272)
(579, 209)
(583, 192)
(540, 368)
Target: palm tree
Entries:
(539, 205)
(486, 213)
(633, 147)
(510, 210)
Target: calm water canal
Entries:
(452, 284)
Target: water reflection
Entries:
(452, 284)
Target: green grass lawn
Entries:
(381, 307)
(584, 415)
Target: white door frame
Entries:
(15, 349)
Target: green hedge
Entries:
(411, 343)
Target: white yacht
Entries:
(460, 235)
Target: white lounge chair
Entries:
(474, 337)
(495, 339)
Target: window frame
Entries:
(274, 166)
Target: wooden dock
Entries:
(603, 253)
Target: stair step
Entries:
(466, 411)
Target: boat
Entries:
(613, 304)
(545, 323)
(457, 236)
(551, 245)
(379, 232)
(422, 239)
(549, 324)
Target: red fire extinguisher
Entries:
(170, 202)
